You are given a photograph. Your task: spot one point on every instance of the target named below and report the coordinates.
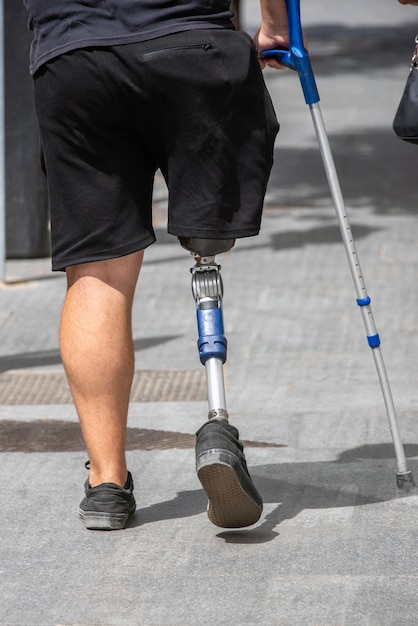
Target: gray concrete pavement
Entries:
(335, 545)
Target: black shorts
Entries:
(193, 104)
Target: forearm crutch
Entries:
(296, 57)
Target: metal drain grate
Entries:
(60, 436)
(29, 388)
(169, 386)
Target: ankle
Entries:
(107, 474)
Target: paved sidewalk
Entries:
(335, 545)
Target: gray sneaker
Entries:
(107, 506)
(234, 502)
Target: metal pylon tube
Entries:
(216, 388)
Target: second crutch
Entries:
(297, 58)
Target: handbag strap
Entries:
(414, 60)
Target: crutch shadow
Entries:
(358, 477)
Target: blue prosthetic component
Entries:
(374, 340)
(211, 342)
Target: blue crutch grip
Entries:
(296, 57)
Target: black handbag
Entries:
(405, 123)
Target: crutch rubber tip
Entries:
(405, 482)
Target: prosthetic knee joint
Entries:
(207, 291)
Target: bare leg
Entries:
(98, 357)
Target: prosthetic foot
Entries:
(234, 501)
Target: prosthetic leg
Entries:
(207, 289)
(220, 462)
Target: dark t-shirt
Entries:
(62, 25)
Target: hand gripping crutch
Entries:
(297, 58)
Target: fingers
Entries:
(275, 64)
(270, 62)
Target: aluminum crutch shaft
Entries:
(363, 300)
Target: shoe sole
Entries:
(94, 520)
(222, 478)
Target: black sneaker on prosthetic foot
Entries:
(107, 506)
(234, 502)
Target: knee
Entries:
(121, 273)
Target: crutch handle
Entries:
(296, 57)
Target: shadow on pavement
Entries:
(336, 48)
(372, 166)
(360, 476)
(53, 357)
